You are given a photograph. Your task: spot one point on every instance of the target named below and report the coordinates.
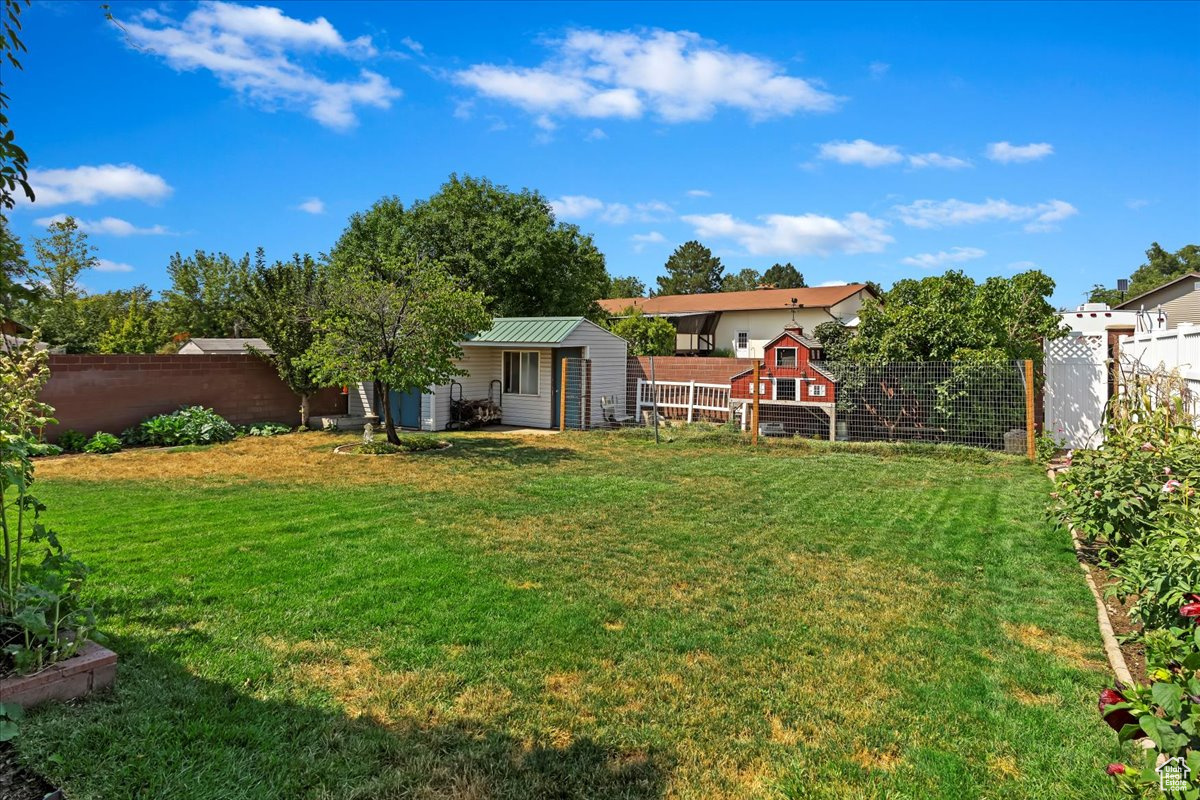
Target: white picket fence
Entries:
(688, 396)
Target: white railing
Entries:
(685, 395)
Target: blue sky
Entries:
(858, 141)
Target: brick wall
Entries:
(111, 393)
(682, 368)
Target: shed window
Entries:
(521, 372)
(785, 389)
(785, 356)
(816, 390)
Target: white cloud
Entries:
(676, 76)
(89, 185)
(579, 207)
(869, 154)
(919, 160)
(640, 240)
(414, 45)
(595, 135)
(943, 258)
(1040, 217)
(1007, 153)
(878, 69)
(249, 49)
(110, 226)
(104, 265)
(699, 193)
(313, 205)
(796, 235)
(833, 283)
(861, 151)
(1136, 203)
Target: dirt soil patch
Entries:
(18, 783)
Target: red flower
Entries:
(1120, 717)
(1115, 769)
(1191, 609)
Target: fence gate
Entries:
(1076, 388)
(575, 394)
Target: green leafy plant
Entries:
(102, 443)
(187, 426)
(264, 429)
(72, 441)
(41, 618)
(11, 715)
(1046, 446)
(382, 447)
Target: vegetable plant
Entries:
(102, 443)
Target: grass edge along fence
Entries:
(784, 395)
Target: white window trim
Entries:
(795, 357)
(504, 376)
(813, 386)
(738, 348)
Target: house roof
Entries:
(228, 346)
(528, 330)
(753, 300)
(1191, 276)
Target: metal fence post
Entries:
(654, 399)
(1030, 447)
(754, 411)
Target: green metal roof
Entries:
(528, 330)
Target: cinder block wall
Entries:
(112, 392)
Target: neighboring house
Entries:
(744, 322)
(10, 327)
(1168, 305)
(223, 347)
(787, 382)
(517, 364)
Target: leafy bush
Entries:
(72, 441)
(264, 429)
(102, 443)
(408, 444)
(189, 425)
(41, 618)
(378, 448)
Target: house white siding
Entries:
(764, 325)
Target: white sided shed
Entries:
(518, 364)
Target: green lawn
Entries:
(575, 616)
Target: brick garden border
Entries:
(91, 669)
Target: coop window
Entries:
(785, 389)
(785, 356)
(520, 372)
(816, 390)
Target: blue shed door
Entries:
(406, 408)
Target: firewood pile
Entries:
(467, 414)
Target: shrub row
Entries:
(1136, 498)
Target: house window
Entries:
(785, 356)
(816, 390)
(520, 372)
(741, 341)
(785, 388)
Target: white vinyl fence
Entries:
(687, 397)
(1173, 349)
(1076, 388)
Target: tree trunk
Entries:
(304, 410)
(389, 422)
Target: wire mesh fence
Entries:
(784, 394)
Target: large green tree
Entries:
(627, 286)
(504, 244)
(14, 162)
(398, 324)
(282, 304)
(743, 280)
(62, 254)
(135, 330)
(784, 276)
(205, 295)
(691, 269)
(952, 318)
(16, 293)
(1161, 267)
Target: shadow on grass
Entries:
(509, 449)
(164, 732)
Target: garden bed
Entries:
(356, 449)
(91, 669)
